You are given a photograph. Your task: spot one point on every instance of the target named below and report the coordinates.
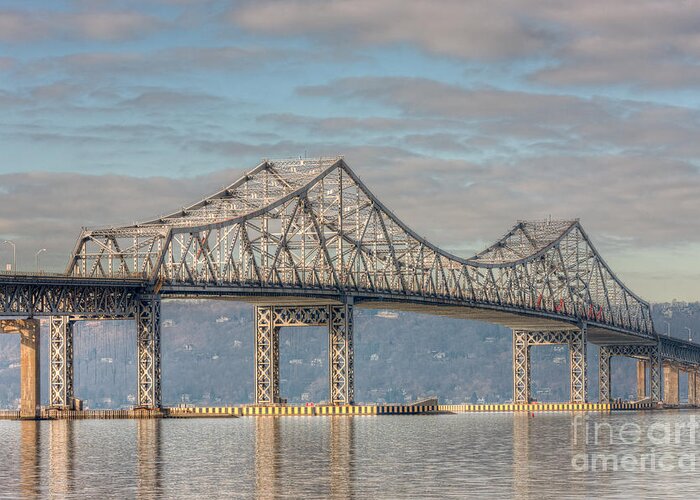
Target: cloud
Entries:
(94, 66)
(524, 123)
(645, 43)
(166, 98)
(452, 28)
(22, 26)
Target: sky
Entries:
(462, 117)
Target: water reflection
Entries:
(149, 459)
(521, 455)
(267, 456)
(29, 458)
(61, 458)
(342, 451)
(290, 455)
(340, 457)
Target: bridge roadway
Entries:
(306, 242)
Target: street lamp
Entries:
(690, 334)
(37, 258)
(668, 328)
(14, 254)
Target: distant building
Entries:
(296, 361)
(222, 319)
(387, 314)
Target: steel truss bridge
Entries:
(306, 241)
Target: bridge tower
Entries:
(524, 339)
(148, 351)
(269, 319)
(647, 356)
(61, 395)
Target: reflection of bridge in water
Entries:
(69, 461)
(307, 242)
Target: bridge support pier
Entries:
(524, 339)
(671, 395)
(267, 360)
(339, 320)
(30, 395)
(341, 355)
(642, 378)
(148, 351)
(604, 379)
(29, 369)
(647, 355)
(693, 387)
(61, 362)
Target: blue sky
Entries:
(462, 116)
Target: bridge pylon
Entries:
(269, 319)
(148, 351)
(647, 358)
(61, 362)
(524, 339)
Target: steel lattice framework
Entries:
(307, 241)
(523, 340)
(59, 295)
(268, 322)
(61, 362)
(312, 227)
(648, 353)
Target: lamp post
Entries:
(668, 328)
(14, 254)
(690, 334)
(37, 258)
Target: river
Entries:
(564, 455)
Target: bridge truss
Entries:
(307, 241)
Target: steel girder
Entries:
(61, 362)
(313, 225)
(679, 351)
(523, 340)
(268, 322)
(148, 351)
(58, 296)
(648, 353)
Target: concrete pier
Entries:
(671, 396)
(28, 330)
(693, 387)
(641, 379)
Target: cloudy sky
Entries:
(461, 116)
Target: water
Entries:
(475, 455)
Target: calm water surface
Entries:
(472, 455)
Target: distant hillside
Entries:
(208, 358)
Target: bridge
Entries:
(307, 242)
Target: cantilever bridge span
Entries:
(307, 241)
